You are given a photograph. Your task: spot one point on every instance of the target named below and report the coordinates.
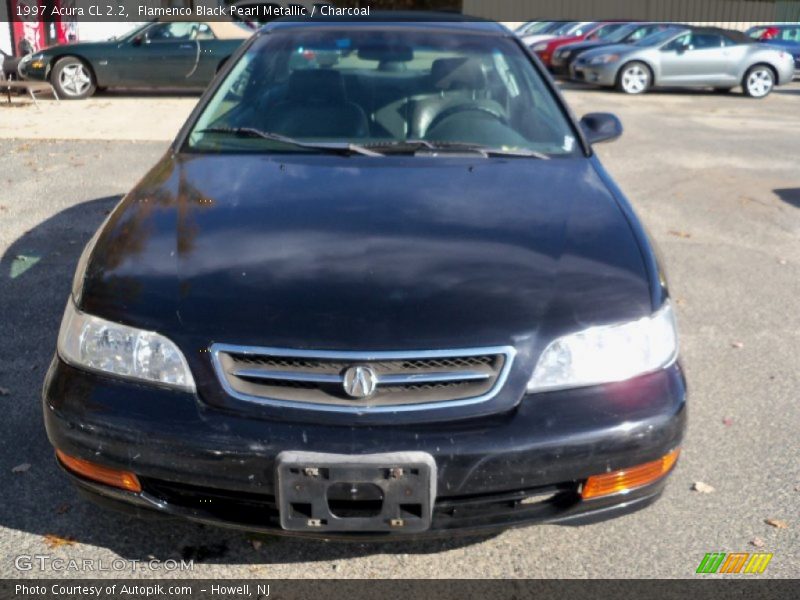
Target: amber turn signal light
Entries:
(629, 479)
(118, 479)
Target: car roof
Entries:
(223, 30)
(731, 34)
(410, 20)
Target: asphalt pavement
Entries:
(715, 178)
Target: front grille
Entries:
(260, 510)
(319, 379)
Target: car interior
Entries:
(391, 92)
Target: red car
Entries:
(590, 31)
(763, 33)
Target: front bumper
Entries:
(604, 75)
(559, 66)
(34, 70)
(788, 70)
(212, 466)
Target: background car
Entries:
(690, 57)
(564, 29)
(544, 50)
(174, 54)
(786, 37)
(537, 27)
(626, 34)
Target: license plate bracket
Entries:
(392, 491)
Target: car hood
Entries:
(335, 252)
(582, 46)
(621, 49)
(80, 48)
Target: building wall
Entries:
(714, 12)
(5, 37)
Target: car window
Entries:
(790, 34)
(564, 28)
(642, 32)
(536, 27)
(581, 29)
(204, 32)
(703, 41)
(608, 32)
(169, 32)
(661, 37)
(676, 44)
(375, 87)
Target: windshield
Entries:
(565, 28)
(131, 33)
(374, 88)
(654, 39)
(610, 32)
(618, 34)
(537, 27)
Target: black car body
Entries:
(294, 281)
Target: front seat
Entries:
(456, 83)
(316, 106)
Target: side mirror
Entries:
(681, 49)
(601, 127)
(137, 41)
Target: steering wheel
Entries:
(493, 110)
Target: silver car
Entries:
(696, 57)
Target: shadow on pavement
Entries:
(789, 195)
(148, 93)
(36, 276)
(665, 91)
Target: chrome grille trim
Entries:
(382, 379)
(443, 377)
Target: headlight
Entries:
(608, 353)
(540, 47)
(98, 345)
(603, 59)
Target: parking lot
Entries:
(716, 180)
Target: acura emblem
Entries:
(359, 382)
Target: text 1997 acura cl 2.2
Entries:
(379, 284)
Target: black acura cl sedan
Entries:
(378, 285)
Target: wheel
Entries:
(73, 79)
(634, 78)
(758, 81)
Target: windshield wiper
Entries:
(413, 146)
(332, 147)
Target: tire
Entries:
(73, 79)
(758, 82)
(634, 78)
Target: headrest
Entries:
(458, 74)
(316, 86)
(392, 65)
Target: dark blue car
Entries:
(379, 285)
(786, 37)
